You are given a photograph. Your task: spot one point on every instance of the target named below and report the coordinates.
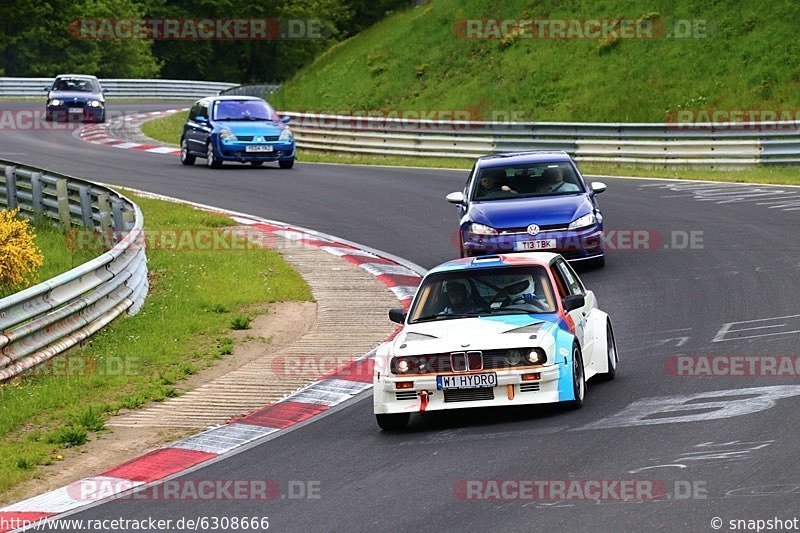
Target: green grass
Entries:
(166, 129)
(59, 255)
(413, 60)
(182, 328)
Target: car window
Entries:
(526, 180)
(203, 110)
(244, 110)
(569, 276)
(485, 291)
(84, 85)
(193, 112)
(469, 179)
(561, 284)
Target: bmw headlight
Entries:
(286, 135)
(226, 135)
(588, 219)
(481, 229)
(55, 101)
(95, 103)
(513, 357)
(536, 356)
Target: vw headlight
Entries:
(95, 103)
(226, 135)
(536, 356)
(55, 101)
(588, 219)
(481, 229)
(286, 135)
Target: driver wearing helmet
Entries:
(458, 300)
(524, 292)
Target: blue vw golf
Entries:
(236, 128)
(530, 201)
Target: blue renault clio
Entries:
(244, 129)
(530, 201)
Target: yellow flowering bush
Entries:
(20, 259)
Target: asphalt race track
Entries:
(734, 294)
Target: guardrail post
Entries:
(36, 191)
(11, 187)
(117, 209)
(104, 205)
(86, 206)
(62, 196)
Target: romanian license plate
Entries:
(266, 148)
(467, 381)
(75, 110)
(545, 244)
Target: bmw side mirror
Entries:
(455, 198)
(105, 90)
(598, 187)
(575, 301)
(286, 119)
(46, 89)
(397, 315)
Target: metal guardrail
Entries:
(712, 144)
(49, 318)
(122, 88)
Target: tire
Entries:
(102, 118)
(186, 157)
(211, 157)
(393, 422)
(599, 262)
(287, 163)
(578, 379)
(48, 117)
(611, 354)
(257, 163)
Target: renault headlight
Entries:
(481, 229)
(226, 135)
(586, 220)
(286, 135)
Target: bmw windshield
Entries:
(483, 292)
(244, 110)
(525, 181)
(80, 85)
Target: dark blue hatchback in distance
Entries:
(75, 97)
(242, 129)
(530, 201)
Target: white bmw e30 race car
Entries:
(489, 331)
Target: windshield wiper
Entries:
(512, 308)
(429, 318)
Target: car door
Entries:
(582, 315)
(198, 128)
